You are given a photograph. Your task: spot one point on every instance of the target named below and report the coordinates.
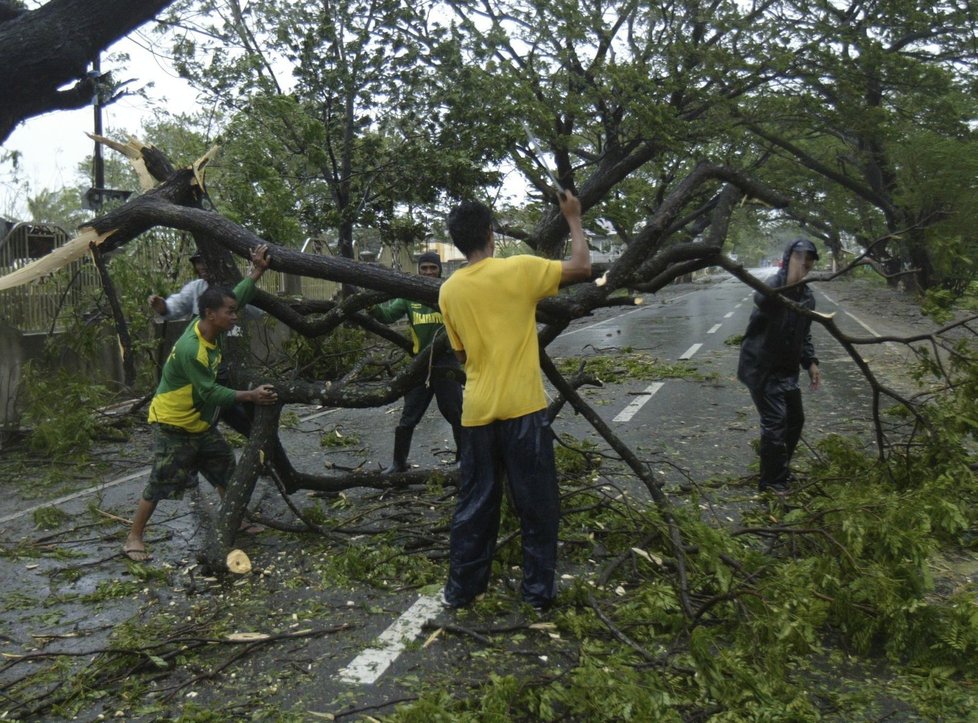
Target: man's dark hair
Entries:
(469, 224)
(213, 298)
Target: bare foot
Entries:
(250, 528)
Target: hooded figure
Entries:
(777, 343)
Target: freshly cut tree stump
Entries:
(238, 562)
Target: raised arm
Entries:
(260, 260)
(578, 266)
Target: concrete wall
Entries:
(262, 343)
(17, 348)
(11, 359)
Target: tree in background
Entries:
(872, 128)
(333, 118)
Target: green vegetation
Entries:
(796, 608)
(336, 438)
(58, 428)
(327, 358)
(617, 366)
(50, 518)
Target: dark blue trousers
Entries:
(448, 393)
(521, 451)
(782, 419)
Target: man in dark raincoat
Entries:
(776, 345)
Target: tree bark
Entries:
(264, 427)
(42, 50)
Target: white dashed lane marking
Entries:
(626, 414)
(689, 352)
(714, 329)
(367, 667)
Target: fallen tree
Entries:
(652, 259)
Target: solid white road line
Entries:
(113, 483)
(367, 667)
(631, 410)
(692, 350)
(861, 323)
(714, 329)
(76, 495)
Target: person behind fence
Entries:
(426, 326)
(183, 304)
(188, 399)
(776, 344)
(489, 307)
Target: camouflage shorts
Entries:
(178, 455)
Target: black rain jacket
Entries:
(777, 339)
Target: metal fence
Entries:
(37, 307)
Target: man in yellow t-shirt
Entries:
(489, 309)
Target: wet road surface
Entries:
(689, 430)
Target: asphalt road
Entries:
(690, 431)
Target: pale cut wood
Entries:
(133, 150)
(238, 562)
(57, 259)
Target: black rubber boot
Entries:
(774, 468)
(402, 445)
(457, 434)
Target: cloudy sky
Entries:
(53, 145)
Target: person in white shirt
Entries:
(183, 303)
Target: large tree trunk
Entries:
(45, 49)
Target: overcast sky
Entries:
(53, 145)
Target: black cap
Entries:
(430, 257)
(803, 244)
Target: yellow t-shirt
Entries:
(489, 310)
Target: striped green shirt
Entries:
(188, 395)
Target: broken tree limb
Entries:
(636, 465)
(240, 487)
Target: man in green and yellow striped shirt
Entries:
(188, 401)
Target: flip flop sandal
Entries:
(136, 552)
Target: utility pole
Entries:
(99, 164)
(98, 194)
